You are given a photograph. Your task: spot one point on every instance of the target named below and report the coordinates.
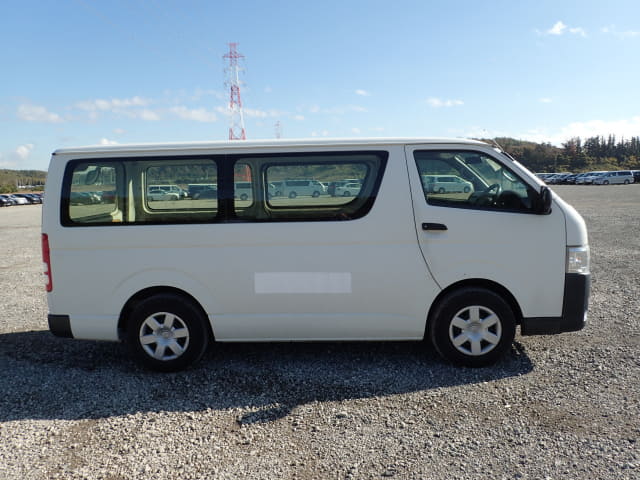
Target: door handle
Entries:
(434, 226)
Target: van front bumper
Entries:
(574, 309)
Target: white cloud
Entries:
(560, 28)
(545, 100)
(438, 103)
(363, 93)
(613, 30)
(105, 141)
(557, 29)
(624, 128)
(119, 131)
(299, 118)
(128, 107)
(23, 151)
(197, 114)
(145, 114)
(17, 156)
(337, 110)
(113, 105)
(36, 113)
(356, 131)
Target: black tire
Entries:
(441, 190)
(181, 336)
(316, 194)
(293, 194)
(472, 326)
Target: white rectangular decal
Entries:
(302, 282)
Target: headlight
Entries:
(578, 260)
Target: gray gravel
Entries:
(557, 407)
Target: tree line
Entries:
(576, 155)
(11, 180)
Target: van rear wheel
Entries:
(472, 326)
(167, 332)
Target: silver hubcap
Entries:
(164, 336)
(475, 330)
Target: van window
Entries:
(91, 196)
(467, 179)
(304, 187)
(284, 187)
(135, 191)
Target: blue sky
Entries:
(80, 72)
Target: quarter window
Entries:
(92, 194)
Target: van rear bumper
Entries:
(60, 325)
(574, 309)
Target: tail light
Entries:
(46, 258)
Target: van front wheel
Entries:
(167, 333)
(472, 327)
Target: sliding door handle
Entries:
(434, 226)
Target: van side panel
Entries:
(320, 280)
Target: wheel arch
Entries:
(474, 283)
(151, 291)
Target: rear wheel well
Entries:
(478, 283)
(151, 291)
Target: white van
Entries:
(293, 188)
(394, 261)
(618, 177)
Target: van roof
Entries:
(268, 143)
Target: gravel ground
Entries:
(557, 407)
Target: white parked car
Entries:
(446, 184)
(295, 188)
(589, 178)
(157, 194)
(170, 192)
(348, 189)
(621, 177)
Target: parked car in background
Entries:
(18, 200)
(30, 198)
(588, 178)
(543, 176)
(173, 191)
(293, 188)
(206, 193)
(446, 184)
(5, 201)
(157, 194)
(348, 189)
(636, 176)
(83, 198)
(243, 190)
(621, 177)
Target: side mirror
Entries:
(544, 205)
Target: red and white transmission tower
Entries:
(236, 126)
